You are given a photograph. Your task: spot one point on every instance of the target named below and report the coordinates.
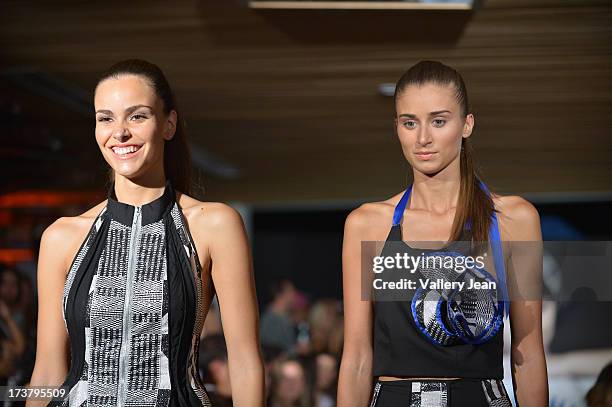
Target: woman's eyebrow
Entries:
(135, 107)
(413, 116)
(439, 112)
(127, 110)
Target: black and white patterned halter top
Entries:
(134, 305)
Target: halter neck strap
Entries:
(401, 206)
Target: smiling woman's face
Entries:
(131, 127)
(430, 126)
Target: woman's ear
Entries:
(170, 125)
(468, 126)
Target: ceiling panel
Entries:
(302, 119)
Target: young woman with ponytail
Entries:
(124, 288)
(438, 346)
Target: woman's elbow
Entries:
(358, 361)
(48, 374)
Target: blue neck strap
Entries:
(401, 206)
(494, 237)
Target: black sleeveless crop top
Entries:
(423, 331)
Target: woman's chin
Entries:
(128, 171)
(429, 170)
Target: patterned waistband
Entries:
(435, 393)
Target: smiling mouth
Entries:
(125, 152)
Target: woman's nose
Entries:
(423, 138)
(120, 133)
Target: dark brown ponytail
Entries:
(177, 159)
(474, 205)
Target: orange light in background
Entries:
(12, 256)
(6, 218)
(27, 204)
(44, 198)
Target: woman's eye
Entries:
(409, 124)
(439, 122)
(139, 117)
(103, 119)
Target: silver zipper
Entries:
(127, 321)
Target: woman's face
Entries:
(131, 126)
(430, 126)
(327, 370)
(9, 287)
(291, 384)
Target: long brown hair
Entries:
(474, 206)
(177, 159)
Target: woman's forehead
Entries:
(124, 90)
(430, 97)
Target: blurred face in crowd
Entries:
(324, 316)
(326, 371)
(9, 287)
(430, 126)
(220, 374)
(291, 382)
(288, 294)
(131, 126)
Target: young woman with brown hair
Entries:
(439, 346)
(124, 288)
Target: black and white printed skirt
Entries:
(440, 393)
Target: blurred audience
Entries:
(270, 355)
(326, 328)
(10, 288)
(212, 323)
(326, 380)
(214, 370)
(288, 387)
(301, 344)
(600, 395)
(299, 312)
(277, 326)
(13, 334)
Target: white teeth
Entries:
(125, 150)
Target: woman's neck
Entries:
(436, 196)
(139, 192)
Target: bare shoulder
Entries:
(518, 217)
(69, 228)
(371, 220)
(208, 215)
(63, 237)
(210, 222)
(516, 208)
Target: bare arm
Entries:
(525, 280)
(355, 377)
(51, 364)
(233, 279)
